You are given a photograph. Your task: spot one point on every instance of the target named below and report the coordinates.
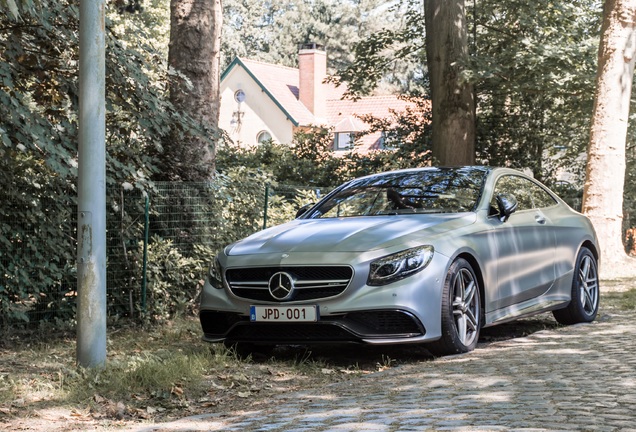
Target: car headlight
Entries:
(216, 275)
(399, 265)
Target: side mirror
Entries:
(507, 204)
(301, 211)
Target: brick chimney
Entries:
(312, 68)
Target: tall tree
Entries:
(453, 140)
(603, 192)
(194, 54)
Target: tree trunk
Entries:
(603, 192)
(194, 52)
(453, 100)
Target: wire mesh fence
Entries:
(153, 239)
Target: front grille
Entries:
(311, 283)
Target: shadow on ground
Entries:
(368, 357)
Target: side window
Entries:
(516, 186)
(529, 195)
(541, 198)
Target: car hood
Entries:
(356, 234)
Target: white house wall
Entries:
(258, 111)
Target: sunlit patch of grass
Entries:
(7, 389)
(146, 375)
(176, 370)
(34, 371)
(623, 300)
(152, 365)
(628, 300)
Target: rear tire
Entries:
(461, 311)
(584, 302)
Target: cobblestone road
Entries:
(579, 378)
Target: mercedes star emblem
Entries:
(281, 286)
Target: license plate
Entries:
(283, 313)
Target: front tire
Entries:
(584, 302)
(461, 311)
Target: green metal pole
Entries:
(144, 282)
(265, 206)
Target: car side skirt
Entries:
(557, 297)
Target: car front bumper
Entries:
(406, 311)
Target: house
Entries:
(262, 101)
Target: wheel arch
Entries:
(592, 248)
(480, 278)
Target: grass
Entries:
(151, 373)
(625, 301)
(162, 366)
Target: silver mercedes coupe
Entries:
(428, 255)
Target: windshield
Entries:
(431, 190)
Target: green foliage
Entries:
(38, 146)
(14, 8)
(393, 54)
(174, 280)
(239, 203)
(309, 161)
(407, 135)
(534, 66)
(284, 202)
(188, 224)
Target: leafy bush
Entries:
(174, 280)
(38, 151)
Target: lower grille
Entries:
(351, 327)
(297, 333)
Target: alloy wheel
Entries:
(588, 285)
(466, 306)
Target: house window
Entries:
(239, 96)
(343, 140)
(385, 143)
(263, 136)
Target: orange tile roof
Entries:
(282, 83)
(379, 106)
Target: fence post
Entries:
(145, 258)
(265, 206)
